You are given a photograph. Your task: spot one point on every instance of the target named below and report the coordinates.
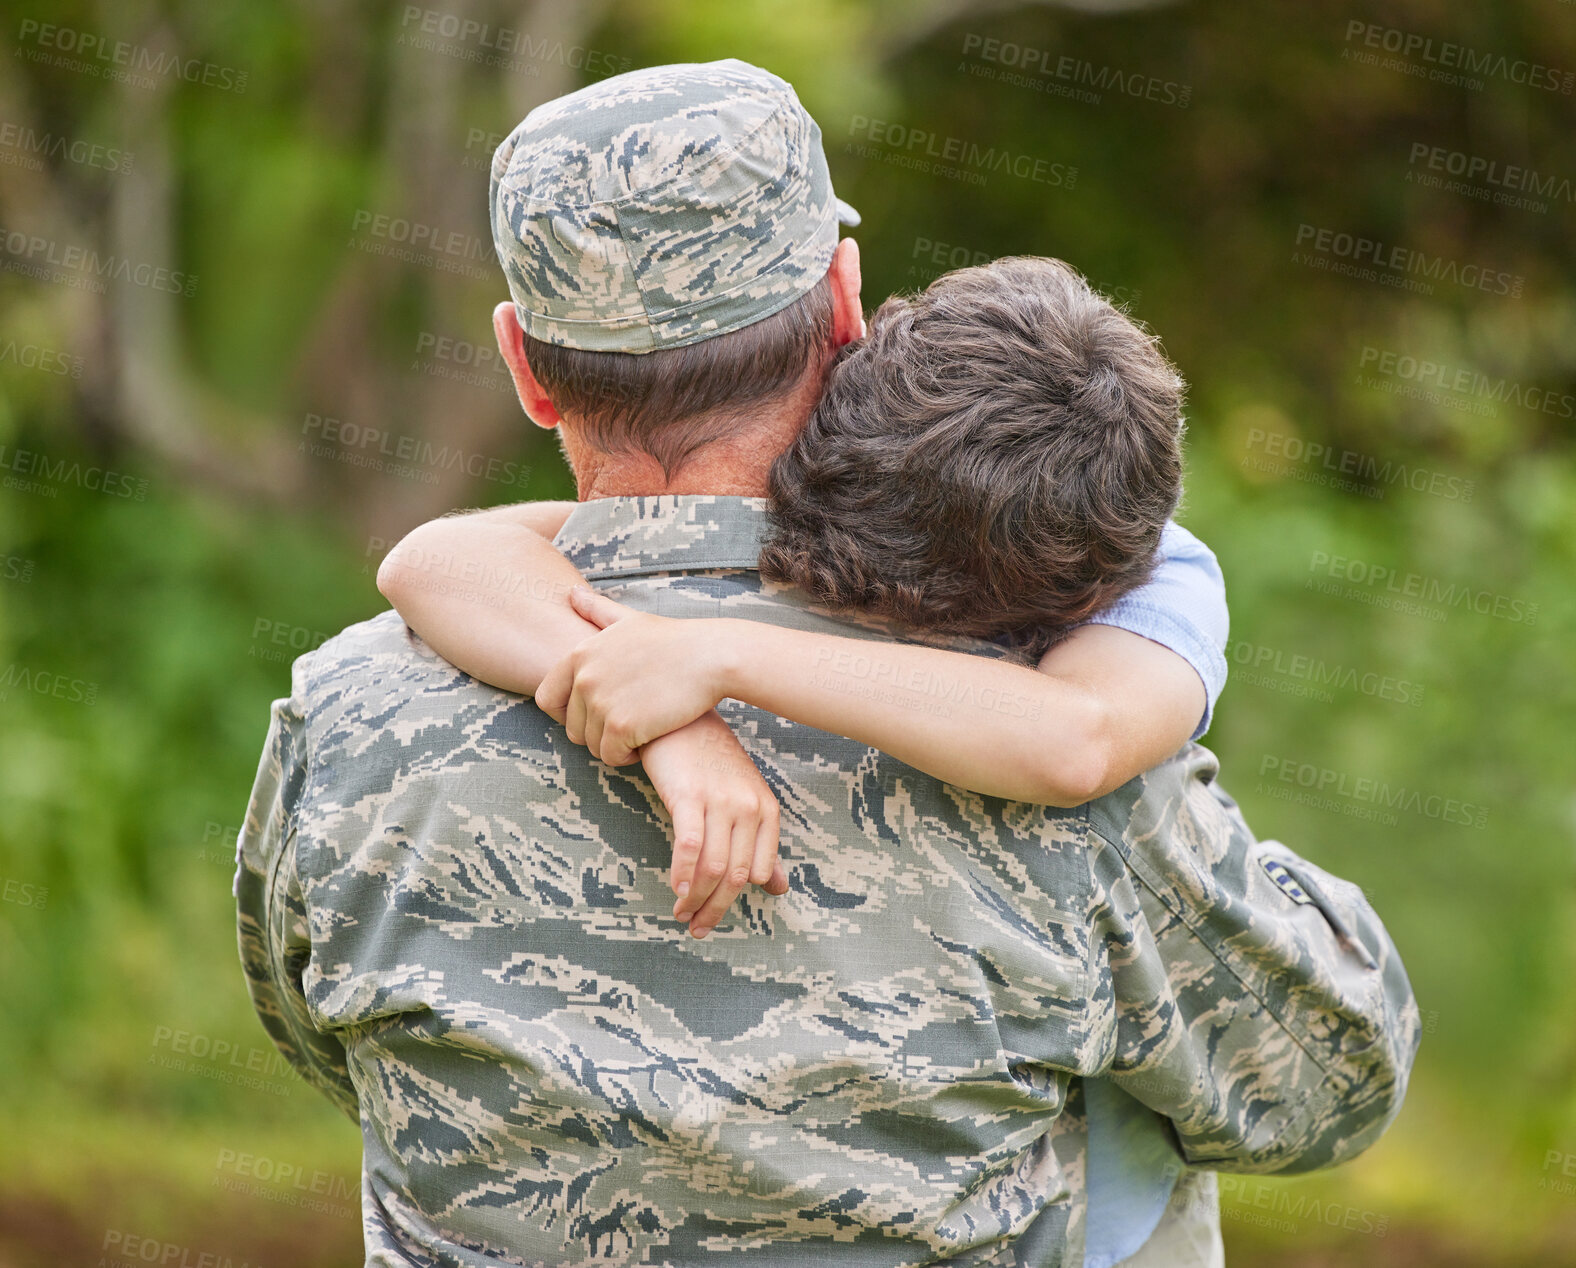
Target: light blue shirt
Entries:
(1183, 607)
(1133, 1160)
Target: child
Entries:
(999, 457)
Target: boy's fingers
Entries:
(600, 610)
(615, 747)
(689, 831)
(779, 881)
(553, 694)
(596, 732)
(709, 868)
(735, 877)
(765, 851)
(575, 717)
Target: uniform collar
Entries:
(685, 532)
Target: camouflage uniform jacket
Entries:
(456, 924)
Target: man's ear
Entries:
(848, 318)
(511, 343)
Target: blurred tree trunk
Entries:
(138, 388)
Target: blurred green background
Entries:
(245, 275)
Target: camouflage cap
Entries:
(661, 207)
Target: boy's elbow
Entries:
(1072, 783)
(1079, 770)
(393, 575)
(388, 577)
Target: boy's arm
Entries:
(1157, 656)
(1115, 705)
(1150, 698)
(487, 591)
(542, 518)
(1106, 704)
(1114, 698)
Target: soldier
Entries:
(453, 920)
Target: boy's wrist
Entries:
(724, 656)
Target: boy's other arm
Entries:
(542, 518)
(1105, 705)
(1156, 657)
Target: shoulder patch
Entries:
(1287, 883)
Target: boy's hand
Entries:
(724, 819)
(640, 677)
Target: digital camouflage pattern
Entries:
(456, 923)
(661, 207)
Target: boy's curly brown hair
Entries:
(998, 456)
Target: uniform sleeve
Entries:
(1241, 1014)
(274, 932)
(1183, 607)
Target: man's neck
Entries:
(737, 465)
(629, 476)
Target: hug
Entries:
(798, 850)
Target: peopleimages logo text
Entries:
(1365, 790)
(922, 145)
(45, 253)
(1466, 381)
(1408, 261)
(1490, 171)
(1446, 55)
(1015, 63)
(35, 145)
(111, 59)
(1412, 586)
(1342, 463)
